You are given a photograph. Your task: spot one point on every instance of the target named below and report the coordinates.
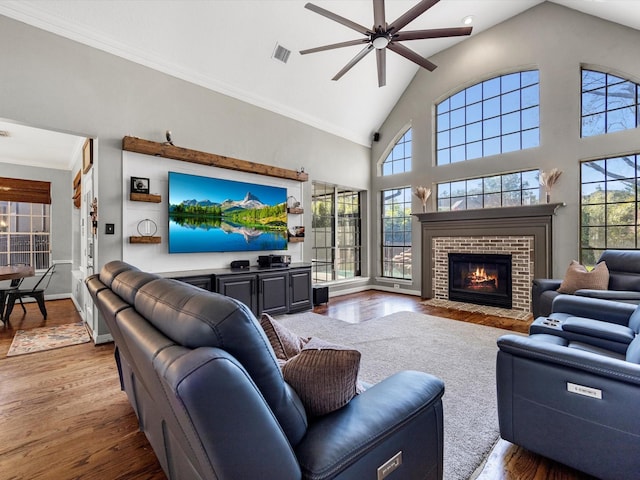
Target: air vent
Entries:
(281, 53)
(5, 133)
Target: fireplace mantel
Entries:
(534, 221)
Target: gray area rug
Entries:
(462, 354)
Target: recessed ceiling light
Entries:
(468, 20)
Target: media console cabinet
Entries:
(274, 290)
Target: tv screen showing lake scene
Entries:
(215, 215)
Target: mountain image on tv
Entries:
(216, 215)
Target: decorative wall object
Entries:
(139, 185)
(87, 155)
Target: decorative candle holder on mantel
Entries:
(147, 229)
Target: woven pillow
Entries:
(284, 342)
(577, 277)
(324, 375)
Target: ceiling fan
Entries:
(383, 36)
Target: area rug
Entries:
(485, 309)
(48, 338)
(460, 353)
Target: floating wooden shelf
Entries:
(147, 147)
(145, 197)
(296, 210)
(296, 239)
(145, 239)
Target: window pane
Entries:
(399, 159)
(622, 119)
(593, 215)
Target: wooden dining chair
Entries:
(37, 293)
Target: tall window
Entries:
(399, 159)
(609, 103)
(508, 190)
(24, 234)
(496, 116)
(336, 230)
(608, 206)
(396, 233)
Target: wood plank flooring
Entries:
(63, 416)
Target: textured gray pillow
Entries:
(324, 375)
(284, 342)
(577, 277)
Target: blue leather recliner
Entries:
(624, 283)
(569, 391)
(206, 387)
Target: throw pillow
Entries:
(577, 277)
(324, 375)
(284, 342)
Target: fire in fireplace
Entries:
(483, 279)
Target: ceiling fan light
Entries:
(468, 20)
(380, 42)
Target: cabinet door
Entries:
(203, 281)
(240, 287)
(273, 293)
(300, 286)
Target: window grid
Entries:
(396, 233)
(24, 234)
(399, 159)
(506, 190)
(609, 103)
(495, 116)
(337, 236)
(608, 206)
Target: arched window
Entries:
(399, 159)
(492, 117)
(609, 103)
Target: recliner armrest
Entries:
(543, 284)
(555, 350)
(401, 413)
(617, 295)
(596, 308)
(599, 329)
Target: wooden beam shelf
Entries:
(145, 197)
(296, 239)
(145, 239)
(147, 147)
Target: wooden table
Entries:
(14, 272)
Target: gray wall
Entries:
(51, 82)
(553, 39)
(61, 228)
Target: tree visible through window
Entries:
(608, 206)
(24, 234)
(396, 233)
(609, 103)
(399, 159)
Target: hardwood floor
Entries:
(63, 416)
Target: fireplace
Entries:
(484, 279)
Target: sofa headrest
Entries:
(113, 269)
(625, 261)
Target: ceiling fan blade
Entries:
(337, 18)
(353, 61)
(350, 43)
(381, 61)
(432, 33)
(411, 14)
(411, 55)
(378, 15)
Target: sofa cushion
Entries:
(578, 277)
(324, 375)
(285, 343)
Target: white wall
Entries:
(553, 39)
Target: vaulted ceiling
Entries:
(227, 46)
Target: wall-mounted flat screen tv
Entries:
(215, 215)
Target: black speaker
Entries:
(376, 137)
(240, 264)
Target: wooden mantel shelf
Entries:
(147, 147)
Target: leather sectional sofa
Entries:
(624, 283)
(569, 391)
(206, 387)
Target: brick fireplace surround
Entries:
(524, 232)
